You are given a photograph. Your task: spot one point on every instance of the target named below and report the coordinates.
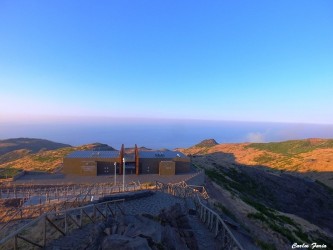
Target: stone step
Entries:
(205, 238)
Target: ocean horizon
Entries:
(168, 134)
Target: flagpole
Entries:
(115, 173)
(124, 170)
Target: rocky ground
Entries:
(160, 221)
(276, 208)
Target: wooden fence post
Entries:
(44, 233)
(66, 225)
(216, 227)
(81, 218)
(15, 243)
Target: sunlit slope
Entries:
(44, 160)
(32, 145)
(312, 157)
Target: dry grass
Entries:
(47, 161)
(316, 163)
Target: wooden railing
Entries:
(50, 193)
(210, 218)
(55, 223)
(52, 225)
(215, 223)
(67, 198)
(182, 190)
(26, 213)
(31, 211)
(23, 214)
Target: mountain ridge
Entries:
(312, 157)
(281, 192)
(34, 145)
(206, 143)
(37, 154)
(265, 185)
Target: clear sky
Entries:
(216, 60)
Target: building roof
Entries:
(93, 154)
(129, 157)
(161, 154)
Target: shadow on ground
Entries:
(288, 192)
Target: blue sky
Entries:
(207, 60)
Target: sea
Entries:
(162, 134)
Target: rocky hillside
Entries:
(169, 230)
(206, 143)
(12, 149)
(32, 144)
(277, 191)
(310, 157)
(36, 154)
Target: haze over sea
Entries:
(180, 71)
(158, 133)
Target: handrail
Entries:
(218, 219)
(77, 196)
(211, 217)
(90, 190)
(182, 190)
(49, 215)
(187, 189)
(21, 212)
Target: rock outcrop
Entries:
(169, 230)
(206, 143)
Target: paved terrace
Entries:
(61, 179)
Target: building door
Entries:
(104, 168)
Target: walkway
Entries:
(151, 205)
(60, 179)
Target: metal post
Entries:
(44, 232)
(115, 173)
(66, 223)
(124, 170)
